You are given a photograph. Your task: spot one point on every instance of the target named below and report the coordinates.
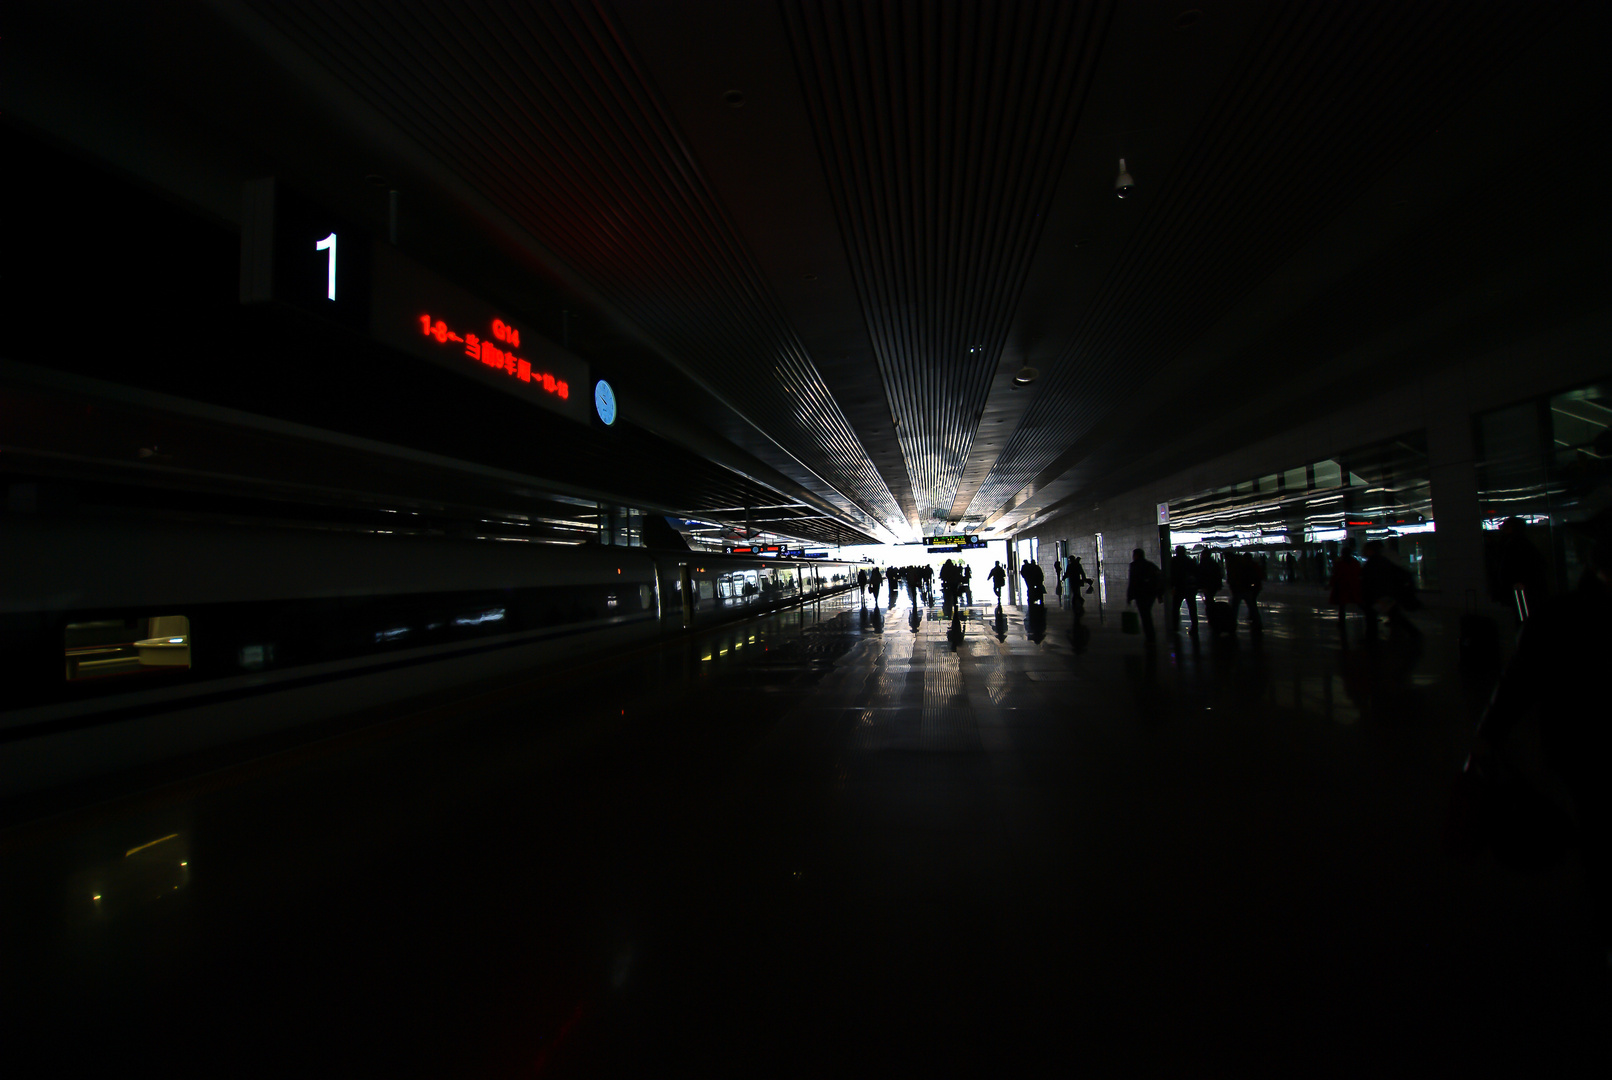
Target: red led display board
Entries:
(415, 310)
(488, 351)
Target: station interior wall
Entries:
(1443, 403)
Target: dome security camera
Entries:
(1123, 184)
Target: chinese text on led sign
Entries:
(492, 355)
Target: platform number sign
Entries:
(296, 254)
(329, 244)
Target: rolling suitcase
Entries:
(1220, 620)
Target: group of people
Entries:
(1375, 586)
(956, 579)
(956, 582)
(1189, 579)
(873, 581)
(1035, 579)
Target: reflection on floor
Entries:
(837, 841)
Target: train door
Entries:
(685, 594)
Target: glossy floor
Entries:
(839, 841)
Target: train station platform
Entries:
(837, 840)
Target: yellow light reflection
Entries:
(153, 843)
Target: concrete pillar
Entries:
(1453, 478)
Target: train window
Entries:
(707, 589)
(110, 647)
(646, 596)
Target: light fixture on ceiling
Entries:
(1123, 184)
(1025, 376)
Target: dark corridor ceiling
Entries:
(850, 224)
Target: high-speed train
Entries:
(125, 644)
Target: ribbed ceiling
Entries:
(942, 129)
(1328, 98)
(542, 106)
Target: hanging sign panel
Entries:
(295, 254)
(298, 254)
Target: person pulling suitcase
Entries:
(1145, 587)
(1183, 589)
(1217, 612)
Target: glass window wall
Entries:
(1296, 522)
(1547, 463)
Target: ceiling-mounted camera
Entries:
(1123, 184)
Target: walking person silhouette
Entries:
(997, 576)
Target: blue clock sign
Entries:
(604, 402)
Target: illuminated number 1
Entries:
(329, 244)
